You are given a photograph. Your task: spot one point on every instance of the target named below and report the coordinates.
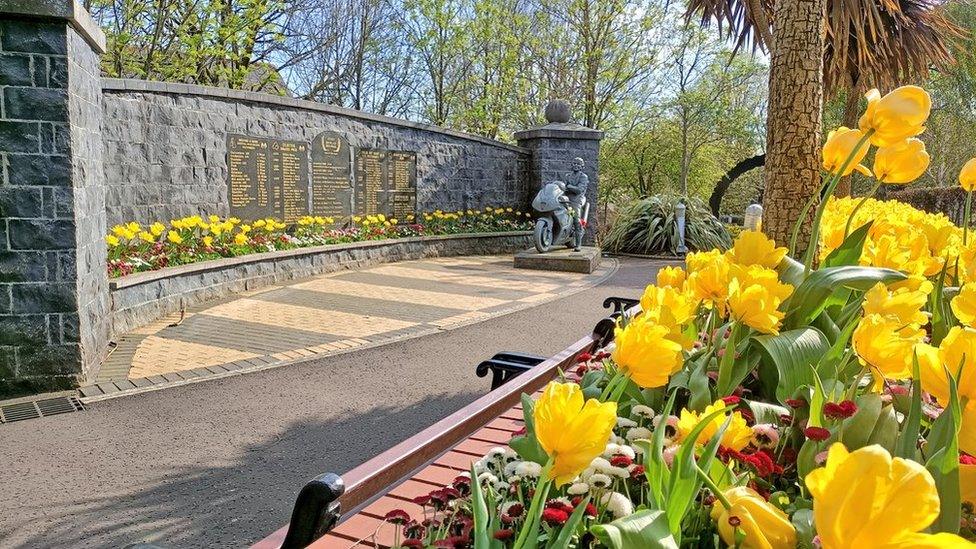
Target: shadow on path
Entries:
(239, 503)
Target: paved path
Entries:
(218, 464)
(327, 315)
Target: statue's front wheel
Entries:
(543, 235)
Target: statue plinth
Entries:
(584, 261)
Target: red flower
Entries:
(454, 542)
(786, 418)
(731, 400)
(967, 459)
(816, 433)
(397, 516)
(411, 542)
(555, 517)
(584, 357)
(796, 403)
(562, 506)
(503, 535)
(842, 410)
(620, 460)
(763, 463)
(637, 472)
(422, 501)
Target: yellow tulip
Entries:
(866, 499)
(967, 176)
(710, 282)
(885, 346)
(756, 306)
(208, 241)
(671, 276)
(755, 248)
(737, 436)
(967, 431)
(157, 228)
(964, 305)
(764, 525)
(112, 240)
(120, 230)
(646, 352)
(671, 308)
(902, 162)
(957, 350)
(696, 261)
(174, 237)
(896, 116)
(840, 146)
(147, 237)
(133, 227)
(240, 239)
(572, 432)
(903, 305)
(967, 482)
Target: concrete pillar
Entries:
(554, 146)
(54, 301)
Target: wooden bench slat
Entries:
(384, 505)
(505, 424)
(500, 438)
(435, 474)
(456, 460)
(477, 448)
(413, 488)
(366, 528)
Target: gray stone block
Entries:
(19, 137)
(20, 202)
(15, 70)
(584, 261)
(49, 360)
(57, 72)
(21, 267)
(44, 298)
(23, 330)
(23, 103)
(34, 37)
(41, 234)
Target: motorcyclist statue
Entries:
(576, 184)
(563, 211)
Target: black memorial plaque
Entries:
(274, 178)
(248, 186)
(331, 189)
(402, 183)
(289, 179)
(386, 183)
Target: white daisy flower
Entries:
(599, 480)
(578, 489)
(641, 411)
(618, 504)
(638, 433)
(625, 423)
(528, 469)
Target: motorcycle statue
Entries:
(558, 223)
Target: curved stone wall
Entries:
(165, 149)
(141, 298)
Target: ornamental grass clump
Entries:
(753, 401)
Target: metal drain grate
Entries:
(39, 408)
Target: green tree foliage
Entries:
(209, 42)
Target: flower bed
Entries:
(133, 248)
(757, 402)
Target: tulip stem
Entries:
(725, 366)
(874, 189)
(830, 185)
(965, 218)
(534, 512)
(713, 487)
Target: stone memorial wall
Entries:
(173, 150)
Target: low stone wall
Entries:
(141, 298)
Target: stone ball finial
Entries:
(558, 111)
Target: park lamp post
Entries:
(679, 213)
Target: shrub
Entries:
(649, 226)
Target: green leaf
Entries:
(685, 483)
(907, 445)
(647, 529)
(765, 412)
(849, 252)
(790, 271)
(527, 446)
(805, 532)
(942, 317)
(813, 295)
(944, 463)
(793, 354)
(566, 533)
(858, 428)
(480, 511)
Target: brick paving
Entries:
(325, 315)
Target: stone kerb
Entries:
(141, 298)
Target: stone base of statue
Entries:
(561, 259)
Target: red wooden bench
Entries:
(347, 511)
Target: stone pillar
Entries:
(554, 146)
(54, 301)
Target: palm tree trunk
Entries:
(794, 117)
(851, 111)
